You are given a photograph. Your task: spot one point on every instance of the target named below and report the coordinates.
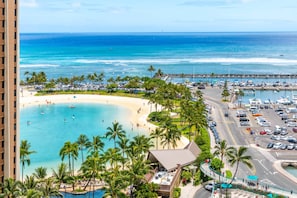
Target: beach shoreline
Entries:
(139, 108)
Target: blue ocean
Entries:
(122, 54)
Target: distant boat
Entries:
(71, 106)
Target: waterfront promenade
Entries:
(205, 168)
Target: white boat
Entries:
(284, 101)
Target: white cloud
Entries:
(29, 3)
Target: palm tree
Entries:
(95, 145)
(151, 69)
(222, 150)
(112, 156)
(66, 151)
(40, 173)
(114, 132)
(237, 157)
(61, 174)
(11, 188)
(82, 142)
(141, 145)
(49, 188)
(91, 167)
(156, 134)
(25, 154)
(116, 181)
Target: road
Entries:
(235, 135)
(202, 193)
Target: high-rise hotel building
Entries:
(9, 72)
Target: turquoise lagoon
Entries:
(48, 127)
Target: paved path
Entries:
(206, 170)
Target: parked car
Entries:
(210, 186)
(268, 131)
(291, 124)
(290, 147)
(277, 145)
(270, 145)
(283, 147)
(275, 137)
(263, 132)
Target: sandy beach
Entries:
(139, 108)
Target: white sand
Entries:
(139, 108)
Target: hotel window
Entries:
(3, 120)
(2, 167)
(2, 155)
(15, 23)
(3, 11)
(3, 48)
(3, 35)
(15, 60)
(2, 96)
(15, 69)
(15, 81)
(2, 144)
(3, 61)
(15, 35)
(14, 93)
(15, 12)
(2, 108)
(14, 149)
(14, 105)
(3, 23)
(14, 127)
(3, 84)
(2, 132)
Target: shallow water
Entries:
(48, 127)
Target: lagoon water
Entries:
(48, 127)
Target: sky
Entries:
(157, 15)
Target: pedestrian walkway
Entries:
(205, 168)
(189, 190)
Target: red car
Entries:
(263, 132)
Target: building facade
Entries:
(9, 84)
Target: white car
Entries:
(268, 131)
(277, 145)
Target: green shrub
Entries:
(176, 192)
(216, 164)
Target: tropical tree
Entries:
(112, 157)
(11, 188)
(91, 167)
(61, 174)
(151, 69)
(49, 188)
(71, 150)
(222, 150)
(156, 134)
(83, 142)
(116, 181)
(141, 145)
(114, 132)
(237, 156)
(40, 173)
(25, 154)
(95, 145)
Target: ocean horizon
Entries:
(121, 54)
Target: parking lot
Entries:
(270, 127)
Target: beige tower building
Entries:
(9, 72)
